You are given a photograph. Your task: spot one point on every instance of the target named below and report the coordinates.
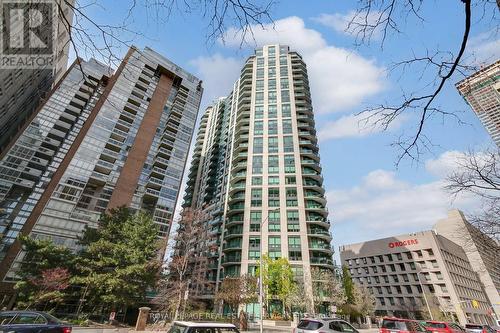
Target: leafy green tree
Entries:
(277, 279)
(44, 273)
(118, 262)
(348, 285)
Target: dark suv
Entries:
(31, 322)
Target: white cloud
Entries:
(445, 164)
(484, 48)
(218, 74)
(384, 204)
(349, 23)
(352, 126)
(340, 78)
(288, 31)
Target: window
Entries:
(274, 243)
(254, 243)
(286, 111)
(258, 145)
(28, 318)
(259, 97)
(260, 62)
(287, 126)
(271, 97)
(256, 200)
(258, 128)
(284, 83)
(272, 144)
(341, 326)
(389, 257)
(289, 164)
(271, 84)
(5, 318)
(273, 164)
(291, 197)
(255, 220)
(290, 180)
(273, 180)
(293, 242)
(273, 127)
(399, 256)
(260, 73)
(283, 71)
(259, 112)
(257, 180)
(295, 255)
(259, 85)
(285, 96)
(271, 71)
(274, 197)
(283, 60)
(288, 144)
(274, 221)
(257, 164)
(272, 111)
(292, 217)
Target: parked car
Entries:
(31, 322)
(478, 328)
(192, 327)
(443, 327)
(327, 325)
(399, 325)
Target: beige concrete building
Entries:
(483, 253)
(256, 170)
(413, 274)
(481, 91)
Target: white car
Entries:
(326, 325)
(198, 327)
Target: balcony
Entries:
(321, 261)
(232, 246)
(231, 259)
(230, 233)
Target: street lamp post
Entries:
(261, 286)
(425, 297)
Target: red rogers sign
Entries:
(403, 243)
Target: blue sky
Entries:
(368, 196)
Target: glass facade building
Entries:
(256, 171)
(101, 141)
(22, 90)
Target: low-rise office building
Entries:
(483, 252)
(415, 274)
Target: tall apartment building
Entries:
(481, 91)
(482, 251)
(407, 272)
(22, 89)
(99, 142)
(256, 172)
